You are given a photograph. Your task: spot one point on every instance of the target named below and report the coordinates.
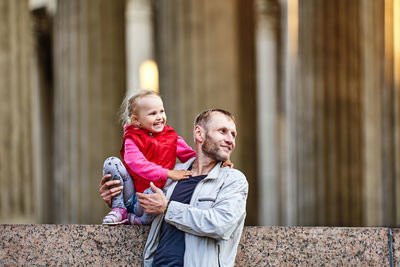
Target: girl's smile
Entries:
(151, 115)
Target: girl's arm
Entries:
(138, 163)
(183, 151)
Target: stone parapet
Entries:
(259, 246)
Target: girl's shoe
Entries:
(116, 216)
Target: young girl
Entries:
(149, 151)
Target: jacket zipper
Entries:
(219, 263)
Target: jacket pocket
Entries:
(205, 202)
(206, 199)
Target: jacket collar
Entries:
(213, 174)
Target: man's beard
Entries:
(212, 150)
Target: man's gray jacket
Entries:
(212, 222)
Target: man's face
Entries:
(220, 137)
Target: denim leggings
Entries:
(127, 198)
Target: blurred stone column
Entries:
(288, 122)
(382, 114)
(269, 145)
(325, 159)
(373, 51)
(396, 107)
(390, 115)
(89, 77)
(140, 43)
(206, 59)
(17, 192)
(42, 111)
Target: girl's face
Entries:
(150, 115)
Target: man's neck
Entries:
(202, 166)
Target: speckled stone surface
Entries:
(300, 246)
(396, 246)
(66, 245)
(97, 245)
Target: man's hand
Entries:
(177, 175)
(153, 203)
(109, 189)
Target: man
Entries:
(201, 218)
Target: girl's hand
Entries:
(109, 189)
(177, 175)
(227, 163)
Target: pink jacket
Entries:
(153, 172)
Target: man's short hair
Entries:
(203, 118)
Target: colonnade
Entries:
(314, 86)
(337, 145)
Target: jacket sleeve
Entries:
(221, 219)
(183, 151)
(138, 163)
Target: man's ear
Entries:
(198, 133)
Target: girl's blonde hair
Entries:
(129, 106)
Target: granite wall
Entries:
(97, 245)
